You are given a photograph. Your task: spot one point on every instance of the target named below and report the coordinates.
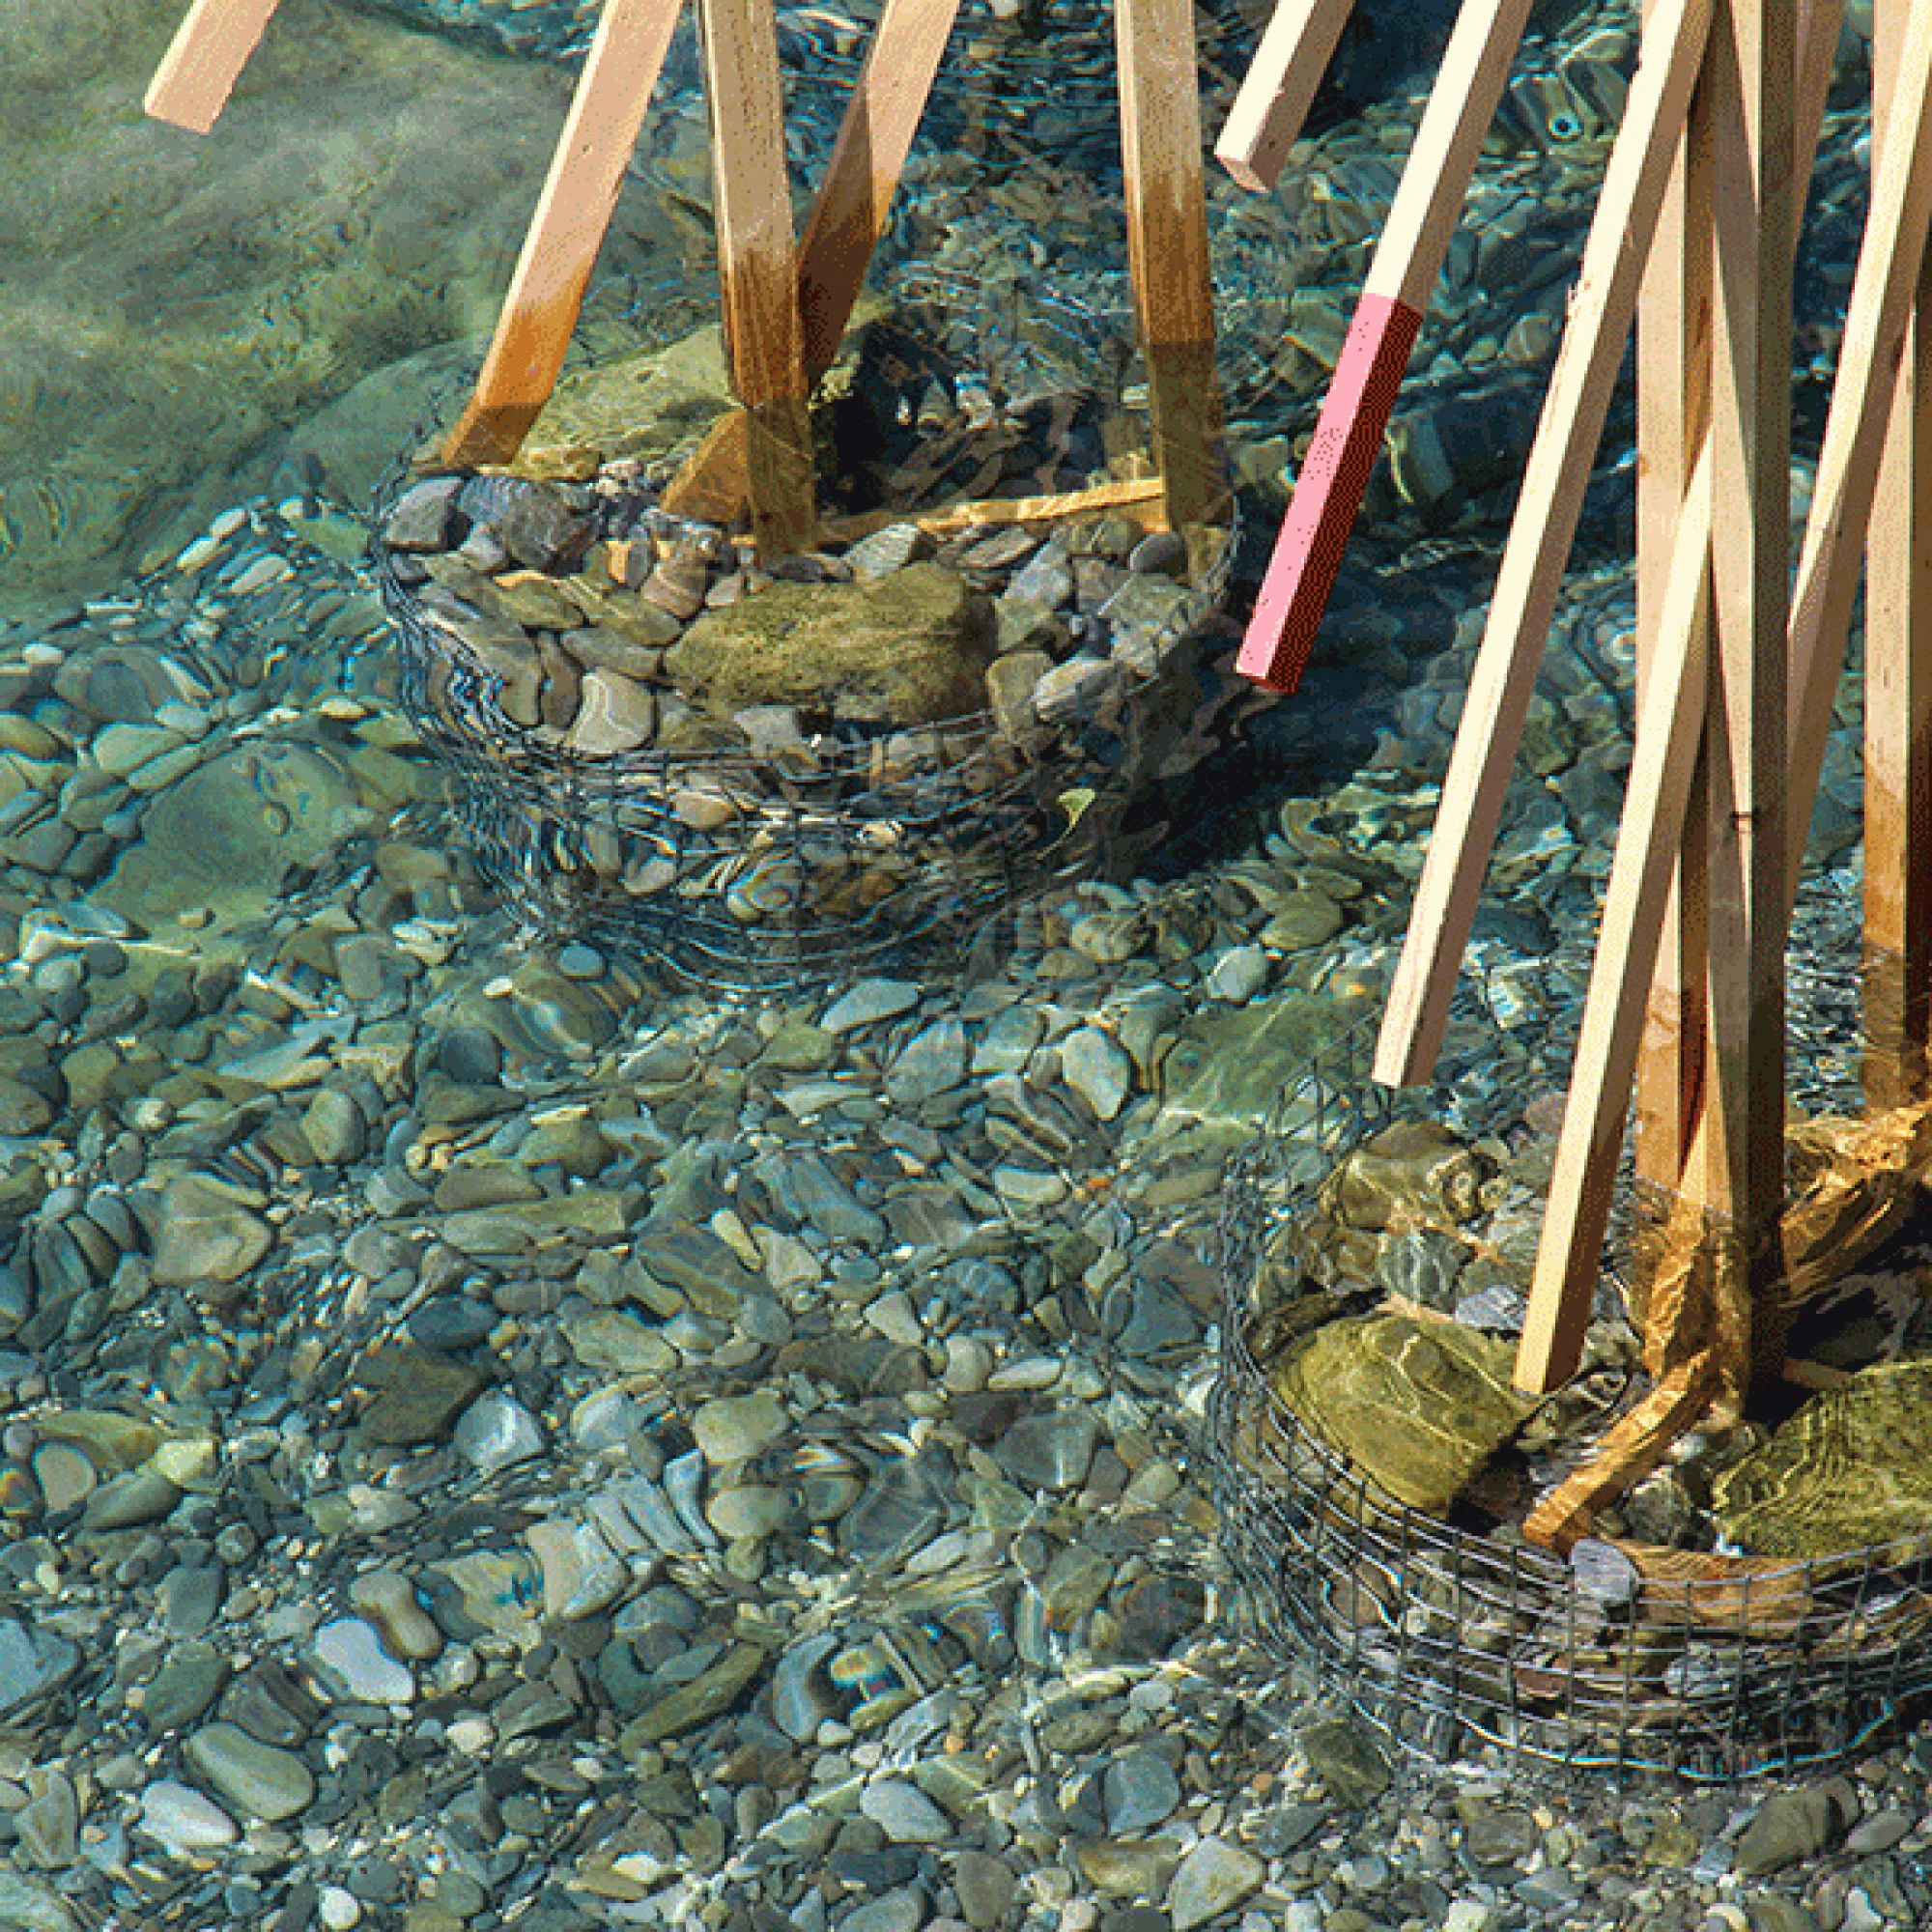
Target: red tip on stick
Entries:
(1328, 495)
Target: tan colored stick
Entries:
(757, 268)
(848, 215)
(1531, 575)
(1568, 1260)
(860, 179)
(1741, 1178)
(1140, 494)
(1673, 401)
(1492, 714)
(204, 61)
(572, 213)
(1890, 263)
(1898, 969)
(1265, 120)
(1167, 252)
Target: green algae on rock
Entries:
(1418, 1405)
(1853, 1468)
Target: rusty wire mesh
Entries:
(1449, 1641)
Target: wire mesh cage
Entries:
(840, 848)
(1451, 1636)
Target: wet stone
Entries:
(183, 1689)
(184, 1820)
(1794, 1824)
(266, 1782)
(1214, 1878)
(1050, 1450)
(421, 1395)
(352, 1662)
(905, 1813)
(497, 1432)
(1140, 1790)
(1344, 1760)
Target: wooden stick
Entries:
(1897, 968)
(1531, 575)
(1740, 1180)
(1141, 494)
(1569, 1259)
(572, 213)
(1890, 258)
(1167, 252)
(1491, 728)
(1673, 400)
(849, 214)
(757, 268)
(1265, 120)
(1421, 221)
(204, 60)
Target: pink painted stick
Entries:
(1328, 495)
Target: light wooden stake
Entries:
(1265, 120)
(1568, 1260)
(1531, 575)
(757, 268)
(1349, 436)
(204, 61)
(547, 290)
(1897, 967)
(852, 207)
(1167, 252)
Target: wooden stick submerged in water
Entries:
(1569, 1259)
(757, 268)
(1897, 966)
(560, 249)
(1167, 252)
(205, 59)
(1349, 436)
(848, 215)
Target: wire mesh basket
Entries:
(851, 848)
(1449, 1640)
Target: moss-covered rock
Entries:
(910, 649)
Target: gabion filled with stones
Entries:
(1454, 1636)
(748, 779)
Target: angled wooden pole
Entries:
(1490, 728)
(204, 61)
(1741, 1183)
(1388, 317)
(1548, 507)
(854, 201)
(757, 268)
(848, 216)
(1892, 260)
(1670, 721)
(1273, 100)
(520, 369)
(1167, 252)
(1897, 962)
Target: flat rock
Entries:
(911, 648)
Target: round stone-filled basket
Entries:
(1455, 1643)
(925, 748)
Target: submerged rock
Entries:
(1418, 1405)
